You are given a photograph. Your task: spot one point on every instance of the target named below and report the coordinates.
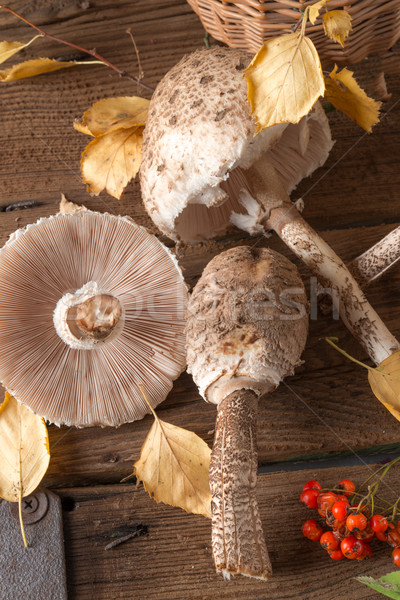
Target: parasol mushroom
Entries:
(377, 260)
(246, 329)
(203, 168)
(91, 305)
(369, 266)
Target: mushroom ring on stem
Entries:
(204, 168)
(246, 329)
(91, 306)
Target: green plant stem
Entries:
(93, 53)
(340, 491)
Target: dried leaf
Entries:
(82, 128)
(110, 114)
(67, 207)
(315, 9)
(337, 25)
(385, 383)
(8, 49)
(343, 91)
(24, 451)
(284, 80)
(173, 466)
(110, 161)
(35, 66)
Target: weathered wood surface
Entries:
(173, 561)
(353, 200)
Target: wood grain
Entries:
(173, 561)
(40, 156)
(327, 407)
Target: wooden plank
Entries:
(40, 158)
(328, 407)
(173, 561)
(328, 394)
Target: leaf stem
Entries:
(21, 522)
(93, 52)
(304, 21)
(148, 403)
(354, 360)
(12, 51)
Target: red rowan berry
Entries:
(396, 556)
(356, 522)
(311, 485)
(328, 541)
(312, 530)
(378, 523)
(309, 498)
(347, 486)
(340, 509)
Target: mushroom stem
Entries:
(375, 261)
(276, 212)
(95, 318)
(369, 266)
(88, 317)
(356, 312)
(237, 536)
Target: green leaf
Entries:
(388, 585)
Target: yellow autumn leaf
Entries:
(284, 80)
(315, 9)
(35, 66)
(78, 126)
(385, 383)
(110, 161)
(24, 451)
(110, 114)
(173, 467)
(8, 49)
(67, 207)
(343, 91)
(337, 25)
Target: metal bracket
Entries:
(36, 572)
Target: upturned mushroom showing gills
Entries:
(91, 306)
(246, 329)
(205, 168)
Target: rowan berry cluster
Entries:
(353, 524)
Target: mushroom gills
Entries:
(293, 157)
(91, 306)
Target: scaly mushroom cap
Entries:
(247, 323)
(200, 128)
(91, 306)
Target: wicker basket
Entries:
(248, 23)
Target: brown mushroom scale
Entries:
(91, 306)
(246, 329)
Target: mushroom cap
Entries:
(247, 323)
(53, 259)
(199, 128)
